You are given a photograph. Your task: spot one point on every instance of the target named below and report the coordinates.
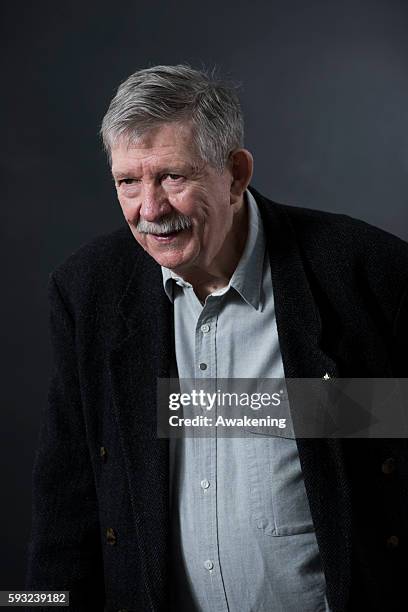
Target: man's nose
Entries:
(154, 203)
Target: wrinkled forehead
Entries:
(169, 144)
(179, 135)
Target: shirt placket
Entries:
(206, 368)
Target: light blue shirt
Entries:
(242, 535)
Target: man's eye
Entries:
(128, 181)
(172, 176)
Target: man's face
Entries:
(162, 178)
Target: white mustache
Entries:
(165, 225)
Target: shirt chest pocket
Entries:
(277, 496)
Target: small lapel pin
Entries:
(326, 376)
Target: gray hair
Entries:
(165, 94)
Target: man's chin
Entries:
(172, 260)
(169, 255)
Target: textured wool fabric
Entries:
(100, 515)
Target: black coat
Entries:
(100, 518)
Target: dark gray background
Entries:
(325, 93)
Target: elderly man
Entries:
(211, 280)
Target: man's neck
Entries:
(206, 281)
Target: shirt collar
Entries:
(247, 278)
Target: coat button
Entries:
(388, 467)
(392, 542)
(110, 536)
(103, 454)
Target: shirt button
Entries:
(205, 328)
(209, 565)
(203, 366)
(204, 484)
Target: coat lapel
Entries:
(301, 334)
(142, 352)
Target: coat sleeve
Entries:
(65, 547)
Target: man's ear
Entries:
(241, 164)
